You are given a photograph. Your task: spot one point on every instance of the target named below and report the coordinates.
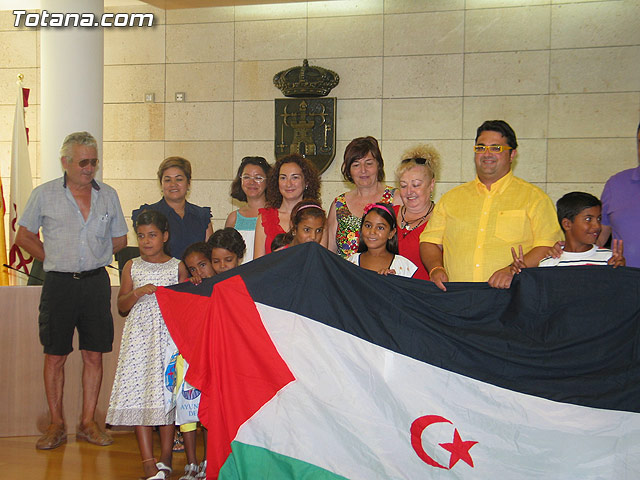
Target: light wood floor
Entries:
(79, 460)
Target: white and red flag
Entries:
(21, 181)
(4, 275)
(313, 368)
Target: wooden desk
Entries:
(23, 404)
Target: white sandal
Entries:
(202, 473)
(164, 469)
(161, 475)
(190, 471)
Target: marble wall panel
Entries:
(133, 121)
(339, 8)
(500, 29)
(556, 190)
(131, 160)
(506, 73)
(18, 48)
(420, 118)
(201, 82)
(251, 148)
(598, 24)
(591, 70)
(593, 115)
(271, 40)
(527, 114)
(334, 172)
(254, 120)
(270, 11)
(203, 42)
(358, 118)
(130, 83)
(359, 77)
(254, 80)
(424, 33)
(481, 4)
(200, 15)
(209, 160)
(134, 45)
(159, 16)
(214, 194)
(343, 37)
(590, 159)
(423, 76)
(411, 6)
(199, 121)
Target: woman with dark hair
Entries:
(249, 186)
(188, 223)
(291, 179)
(363, 166)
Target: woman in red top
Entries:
(416, 176)
(291, 179)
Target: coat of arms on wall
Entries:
(306, 122)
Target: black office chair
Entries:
(124, 255)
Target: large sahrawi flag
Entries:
(311, 367)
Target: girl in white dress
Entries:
(137, 397)
(378, 243)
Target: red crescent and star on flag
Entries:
(458, 448)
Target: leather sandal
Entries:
(93, 434)
(52, 438)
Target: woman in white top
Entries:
(249, 186)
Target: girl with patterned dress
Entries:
(137, 397)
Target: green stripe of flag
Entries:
(257, 463)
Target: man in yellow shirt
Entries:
(474, 226)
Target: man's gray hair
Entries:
(76, 138)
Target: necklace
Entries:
(406, 224)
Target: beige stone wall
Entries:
(564, 74)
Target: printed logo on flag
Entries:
(458, 448)
(170, 374)
(191, 393)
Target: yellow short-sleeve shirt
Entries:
(477, 227)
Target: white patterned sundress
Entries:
(137, 397)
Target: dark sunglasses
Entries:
(83, 163)
(419, 160)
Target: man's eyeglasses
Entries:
(257, 178)
(419, 160)
(490, 148)
(83, 163)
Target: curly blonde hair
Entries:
(421, 151)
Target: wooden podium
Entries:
(22, 399)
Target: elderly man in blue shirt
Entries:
(82, 227)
